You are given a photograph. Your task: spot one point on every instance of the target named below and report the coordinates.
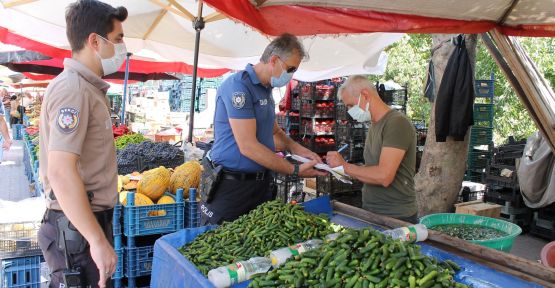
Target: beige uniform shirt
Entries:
(75, 118)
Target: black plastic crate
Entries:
(473, 176)
(353, 198)
(19, 239)
(288, 189)
(318, 109)
(319, 144)
(543, 226)
(478, 159)
(317, 127)
(306, 90)
(325, 92)
(507, 155)
(496, 181)
(341, 112)
(295, 104)
(350, 133)
(466, 195)
(355, 153)
(331, 186)
(509, 198)
(138, 165)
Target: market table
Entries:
(171, 269)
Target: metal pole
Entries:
(198, 25)
(125, 79)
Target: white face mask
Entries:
(358, 114)
(112, 64)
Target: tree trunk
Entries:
(441, 172)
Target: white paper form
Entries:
(337, 172)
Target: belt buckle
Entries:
(260, 176)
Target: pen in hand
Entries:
(342, 148)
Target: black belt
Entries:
(240, 176)
(102, 216)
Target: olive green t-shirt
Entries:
(399, 199)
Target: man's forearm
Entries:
(367, 174)
(4, 128)
(267, 158)
(72, 197)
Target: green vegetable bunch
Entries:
(124, 140)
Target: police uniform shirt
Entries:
(75, 118)
(242, 96)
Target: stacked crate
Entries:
(481, 134)
(136, 228)
(22, 264)
(181, 91)
(502, 183)
(543, 223)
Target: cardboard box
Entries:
(479, 208)
(310, 183)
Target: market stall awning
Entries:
(161, 30)
(135, 65)
(512, 17)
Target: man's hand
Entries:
(334, 159)
(304, 152)
(7, 144)
(105, 259)
(307, 170)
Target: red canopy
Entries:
(137, 66)
(303, 18)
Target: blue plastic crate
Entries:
(118, 274)
(17, 130)
(138, 261)
(19, 239)
(116, 221)
(153, 219)
(22, 272)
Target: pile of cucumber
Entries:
(270, 226)
(362, 259)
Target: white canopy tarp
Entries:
(153, 33)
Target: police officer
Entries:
(245, 131)
(77, 153)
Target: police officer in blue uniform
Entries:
(246, 134)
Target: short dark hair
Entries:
(90, 16)
(283, 46)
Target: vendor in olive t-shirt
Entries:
(389, 152)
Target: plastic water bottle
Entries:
(281, 255)
(238, 272)
(414, 233)
(332, 237)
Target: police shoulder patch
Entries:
(238, 100)
(68, 120)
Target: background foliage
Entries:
(408, 60)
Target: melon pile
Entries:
(159, 185)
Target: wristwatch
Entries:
(295, 174)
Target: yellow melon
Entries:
(120, 183)
(140, 199)
(186, 176)
(166, 200)
(132, 185)
(154, 183)
(125, 179)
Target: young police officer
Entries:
(245, 130)
(77, 153)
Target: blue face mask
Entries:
(283, 79)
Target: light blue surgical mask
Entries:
(359, 114)
(283, 79)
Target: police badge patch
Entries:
(68, 120)
(238, 100)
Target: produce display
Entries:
(186, 176)
(153, 186)
(120, 130)
(270, 226)
(155, 153)
(362, 258)
(469, 232)
(154, 183)
(124, 140)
